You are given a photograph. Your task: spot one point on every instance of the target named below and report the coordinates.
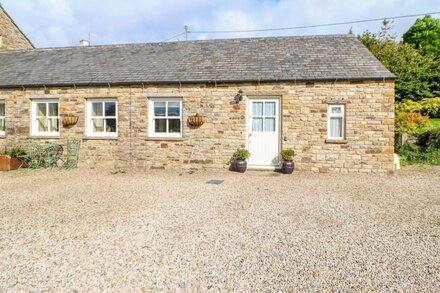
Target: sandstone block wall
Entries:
(11, 38)
(369, 124)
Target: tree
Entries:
(417, 75)
(424, 34)
(385, 31)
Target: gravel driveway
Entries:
(90, 230)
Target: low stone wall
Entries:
(368, 148)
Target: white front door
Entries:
(263, 132)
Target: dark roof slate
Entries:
(305, 58)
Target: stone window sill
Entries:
(43, 137)
(100, 138)
(2, 136)
(336, 141)
(165, 138)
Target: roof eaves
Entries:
(127, 83)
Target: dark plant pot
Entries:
(8, 163)
(240, 166)
(288, 167)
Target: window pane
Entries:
(42, 124)
(2, 109)
(110, 109)
(336, 110)
(110, 125)
(173, 109)
(53, 109)
(257, 108)
(41, 109)
(160, 125)
(257, 124)
(174, 125)
(97, 109)
(2, 124)
(269, 124)
(53, 124)
(98, 125)
(336, 127)
(159, 108)
(269, 109)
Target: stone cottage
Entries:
(326, 97)
(11, 37)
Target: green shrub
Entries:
(16, 152)
(429, 140)
(409, 153)
(408, 106)
(287, 154)
(432, 158)
(411, 123)
(241, 154)
(427, 107)
(430, 107)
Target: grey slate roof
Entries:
(305, 58)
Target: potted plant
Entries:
(11, 159)
(240, 156)
(288, 164)
(196, 120)
(69, 120)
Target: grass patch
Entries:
(435, 122)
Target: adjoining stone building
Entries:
(326, 97)
(11, 37)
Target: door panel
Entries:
(263, 132)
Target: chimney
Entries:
(84, 43)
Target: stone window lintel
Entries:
(336, 102)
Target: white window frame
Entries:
(336, 115)
(89, 123)
(34, 123)
(3, 132)
(152, 118)
(263, 115)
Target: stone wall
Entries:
(11, 38)
(369, 124)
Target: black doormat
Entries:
(216, 182)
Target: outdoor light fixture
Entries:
(239, 97)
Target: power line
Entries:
(309, 26)
(169, 39)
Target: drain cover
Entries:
(217, 182)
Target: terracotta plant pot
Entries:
(8, 163)
(196, 120)
(288, 167)
(69, 120)
(240, 166)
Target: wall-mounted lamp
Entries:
(239, 97)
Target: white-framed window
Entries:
(2, 117)
(45, 117)
(165, 117)
(102, 118)
(336, 122)
(264, 116)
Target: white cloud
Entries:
(65, 22)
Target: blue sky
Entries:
(50, 23)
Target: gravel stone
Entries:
(91, 230)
